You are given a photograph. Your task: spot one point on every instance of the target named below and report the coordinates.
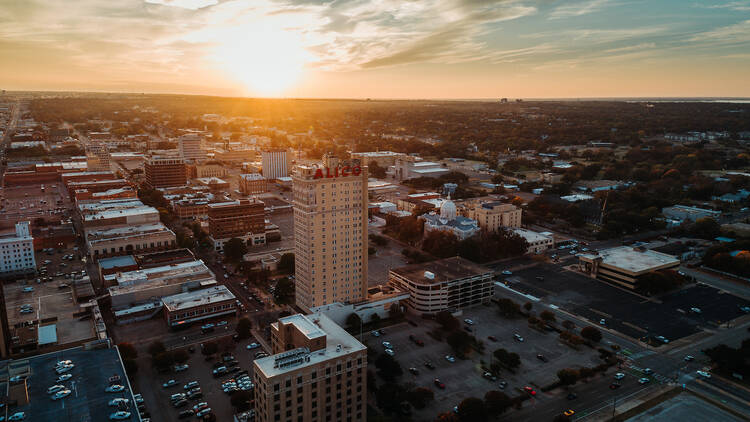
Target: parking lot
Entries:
(157, 398)
(463, 378)
(626, 312)
(29, 202)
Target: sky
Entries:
(461, 49)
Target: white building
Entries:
(190, 147)
(275, 163)
(17, 251)
(449, 220)
(412, 167)
(538, 242)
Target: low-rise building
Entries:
(624, 265)
(116, 213)
(409, 167)
(17, 251)
(445, 285)
(253, 184)
(681, 213)
(243, 219)
(491, 216)
(448, 221)
(214, 184)
(318, 368)
(538, 242)
(104, 242)
(198, 305)
(384, 159)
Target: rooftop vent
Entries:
(430, 275)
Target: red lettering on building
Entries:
(346, 171)
(318, 174)
(338, 172)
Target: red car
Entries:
(439, 384)
(529, 390)
(492, 338)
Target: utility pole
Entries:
(614, 406)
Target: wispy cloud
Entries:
(738, 33)
(739, 6)
(578, 9)
(185, 4)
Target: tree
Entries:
(472, 410)
(568, 325)
(240, 400)
(705, 228)
(567, 376)
(440, 243)
(447, 321)
(353, 321)
(394, 312)
(547, 316)
(286, 263)
(389, 397)
(507, 359)
(284, 292)
(180, 356)
(497, 402)
(131, 367)
(244, 327)
(420, 396)
(508, 308)
(460, 342)
(591, 333)
(527, 306)
(374, 318)
(156, 348)
(210, 348)
(127, 351)
(235, 249)
(388, 368)
(163, 360)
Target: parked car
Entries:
(375, 333)
(414, 371)
(450, 358)
(390, 352)
(190, 385)
(704, 374)
(186, 414)
(644, 381)
(518, 337)
(689, 358)
(119, 415)
(170, 383)
(180, 368)
(61, 394)
(439, 384)
(615, 386)
(18, 416)
(469, 321)
(55, 389)
(387, 345)
(619, 376)
(491, 338)
(116, 388)
(429, 365)
(118, 401)
(530, 391)
(542, 357)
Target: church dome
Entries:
(448, 210)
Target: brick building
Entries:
(164, 172)
(243, 219)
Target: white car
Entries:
(252, 346)
(506, 272)
(704, 374)
(61, 394)
(387, 345)
(116, 402)
(18, 416)
(180, 368)
(619, 376)
(55, 389)
(114, 388)
(375, 333)
(468, 321)
(203, 412)
(389, 352)
(64, 369)
(450, 358)
(64, 377)
(118, 416)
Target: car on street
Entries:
(64, 369)
(177, 396)
(506, 272)
(170, 383)
(569, 412)
(450, 358)
(689, 358)
(390, 352)
(491, 338)
(61, 394)
(387, 345)
(530, 391)
(502, 385)
(119, 416)
(439, 384)
(662, 339)
(619, 376)
(252, 346)
(644, 380)
(603, 321)
(375, 333)
(18, 416)
(489, 376)
(116, 388)
(55, 389)
(542, 357)
(572, 396)
(28, 289)
(518, 337)
(704, 374)
(648, 371)
(695, 310)
(468, 321)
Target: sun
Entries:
(267, 61)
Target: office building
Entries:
(276, 163)
(681, 213)
(243, 219)
(17, 251)
(97, 157)
(330, 232)
(445, 285)
(116, 213)
(190, 147)
(198, 305)
(165, 172)
(409, 167)
(624, 265)
(127, 239)
(384, 159)
(253, 184)
(491, 216)
(318, 373)
(538, 242)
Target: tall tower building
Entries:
(190, 147)
(165, 172)
(97, 157)
(330, 232)
(276, 163)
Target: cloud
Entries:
(738, 6)
(738, 33)
(185, 4)
(578, 9)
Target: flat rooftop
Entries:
(444, 270)
(169, 274)
(117, 261)
(634, 260)
(531, 236)
(197, 298)
(304, 325)
(335, 336)
(127, 231)
(91, 375)
(126, 212)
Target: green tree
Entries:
(460, 342)
(127, 351)
(286, 263)
(209, 348)
(507, 359)
(472, 410)
(156, 348)
(439, 243)
(567, 376)
(547, 316)
(508, 308)
(353, 321)
(235, 249)
(388, 368)
(163, 360)
(244, 327)
(527, 306)
(284, 292)
(591, 333)
(374, 170)
(180, 356)
(497, 402)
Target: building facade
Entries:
(318, 373)
(624, 265)
(538, 242)
(445, 285)
(198, 305)
(17, 251)
(129, 239)
(97, 157)
(276, 163)
(253, 184)
(243, 219)
(413, 167)
(190, 147)
(492, 216)
(330, 232)
(165, 172)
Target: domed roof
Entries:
(448, 210)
